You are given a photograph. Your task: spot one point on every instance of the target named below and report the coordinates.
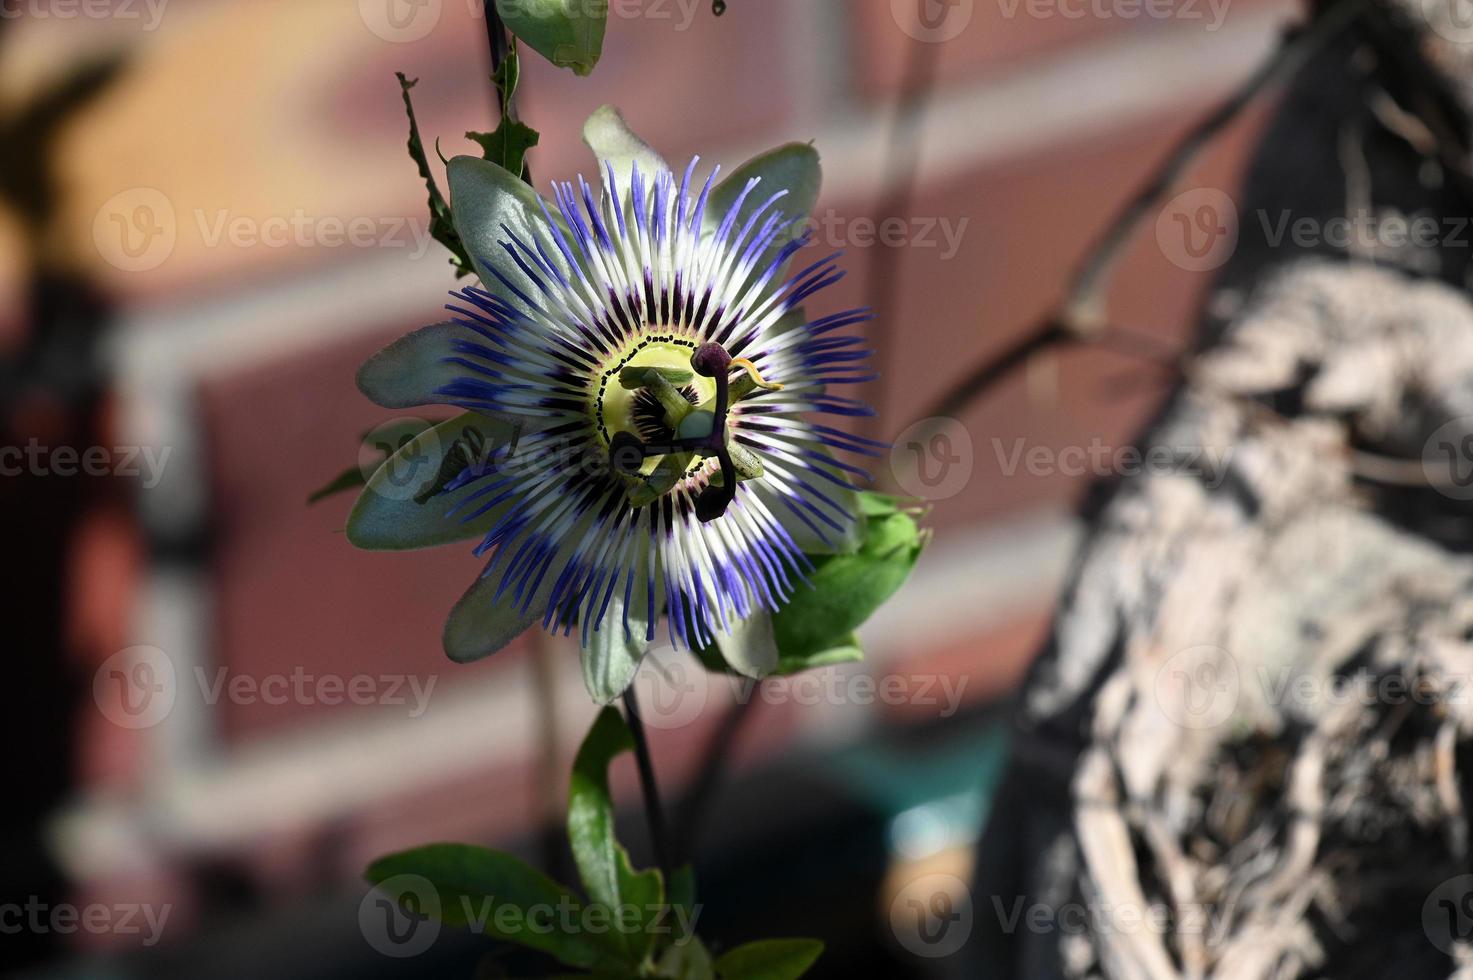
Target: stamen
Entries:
(698, 432)
(751, 369)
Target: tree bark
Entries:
(1244, 750)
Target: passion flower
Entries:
(644, 399)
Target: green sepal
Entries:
(395, 511)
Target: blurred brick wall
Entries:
(282, 117)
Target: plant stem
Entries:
(654, 811)
(496, 37)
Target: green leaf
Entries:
(473, 883)
(395, 511)
(687, 959)
(845, 590)
(682, 899)
(613, 142)
(568, 33)
(770, 959)
(442, 227)
(507, 145)
(637, 898)
(847, 651)
(346, 480)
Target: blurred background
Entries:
(219, 712)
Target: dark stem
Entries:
(654, 811)
(496, 37)
(715, 760)
(1083, 315)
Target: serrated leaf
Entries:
(570, 35)
(603, 863)
(442, 227)
(507, 145)
(770, 959)
(472, 883)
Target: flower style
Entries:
(642, 393)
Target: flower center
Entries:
(665, 411)
(639, 410)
